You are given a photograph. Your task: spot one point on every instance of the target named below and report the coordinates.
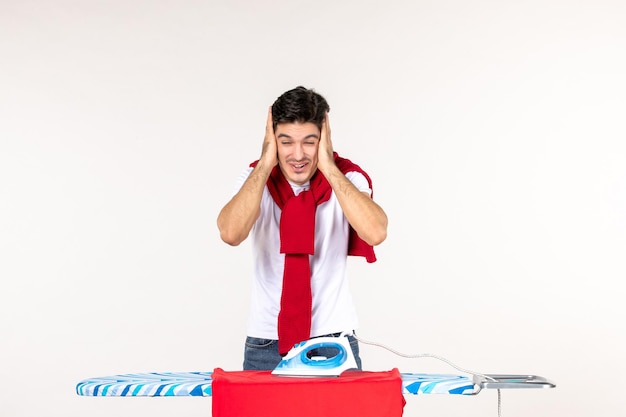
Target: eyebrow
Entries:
(284, 135)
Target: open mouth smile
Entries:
(299, 167)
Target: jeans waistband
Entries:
(333, 334)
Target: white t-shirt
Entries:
(333, 309)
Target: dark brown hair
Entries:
(300, 105)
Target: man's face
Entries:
(297, 145)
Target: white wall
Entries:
(494, 132)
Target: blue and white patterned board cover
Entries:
(154, 384)
(198, 384)
(438, 384)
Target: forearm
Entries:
(366, 217)
(238, 216)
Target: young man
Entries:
(307, 209)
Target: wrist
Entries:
(327, 167)
(265, 166)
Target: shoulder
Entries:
(359, 181)
(241, 178)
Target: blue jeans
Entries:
(262, 354)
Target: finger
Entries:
(327, 124)
(269, 126)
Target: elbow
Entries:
(377, 237)
(234, 229)
(231, 238)
(377, 232)
(230, 241)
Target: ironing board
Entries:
(198, 384)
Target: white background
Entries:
(494, 132)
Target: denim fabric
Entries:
(262, 354)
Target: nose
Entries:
(298, 152)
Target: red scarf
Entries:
(297, 241)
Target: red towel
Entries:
(297, 241)
(352, 394)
